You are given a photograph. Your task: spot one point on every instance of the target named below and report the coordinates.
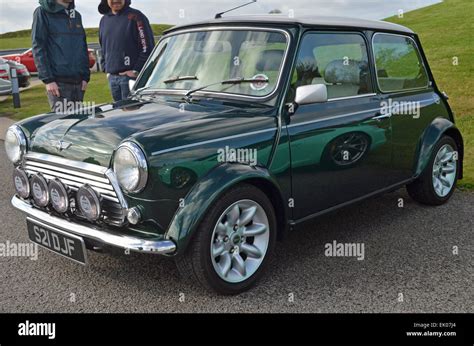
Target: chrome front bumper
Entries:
(135, 244)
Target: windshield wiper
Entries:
(179, 78)
(224, 82)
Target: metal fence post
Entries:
(15, 88)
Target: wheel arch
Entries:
(210, 188)
(437, 129)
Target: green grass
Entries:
(25, 42)
(34, 101)
(446, 31)
(22, 38)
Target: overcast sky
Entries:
(17, 14)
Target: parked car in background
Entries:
(26, 58)
(262, 124)
(4, 69)
(5, 87)
(22, 73)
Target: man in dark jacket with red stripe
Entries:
(126, 39)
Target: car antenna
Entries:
(219, 15)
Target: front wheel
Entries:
(233, 243)
(437, 183)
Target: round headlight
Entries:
(131, 167)
(40, 191)
(15, 144)
(88, 203)
(21, 182)
(59, 196)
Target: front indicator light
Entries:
(134, 216)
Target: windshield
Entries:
(193, 60)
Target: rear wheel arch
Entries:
(455, 134)
(438, 128)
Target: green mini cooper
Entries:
(237, 130)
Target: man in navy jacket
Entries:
(60, 52)
(126, 39)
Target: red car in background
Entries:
(26, 58)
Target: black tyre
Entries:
(232, 246)
(437, 183)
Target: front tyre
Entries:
(232, 246)
(437, 183)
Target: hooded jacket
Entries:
(59, 43)
(126, 39)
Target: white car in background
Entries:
(5, 84)
(5, 87)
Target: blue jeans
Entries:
(119, 87)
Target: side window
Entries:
(398, 62)
(338, 60)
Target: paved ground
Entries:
(408, 251)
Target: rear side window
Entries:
(338, 60)
(399, 64)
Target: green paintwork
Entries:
(202, 195)
(182, 141)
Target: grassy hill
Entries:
(22, 38)
(446, 31)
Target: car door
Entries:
(406, 93)
(341, 149)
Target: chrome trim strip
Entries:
(351, 97)
(230, 28)
(110, 195)
(419, 57)
(210, 141)
(349, 114)
(383, 116)
(99, 179)
(70, 176)
(83, 166)
(110, 174)
(333, 117)
(135, 244)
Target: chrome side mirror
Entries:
(315, 93)
(131, 84)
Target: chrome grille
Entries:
(75, 174)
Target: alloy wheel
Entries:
(240, 241)
(444, 170)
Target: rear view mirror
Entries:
(307, 94)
